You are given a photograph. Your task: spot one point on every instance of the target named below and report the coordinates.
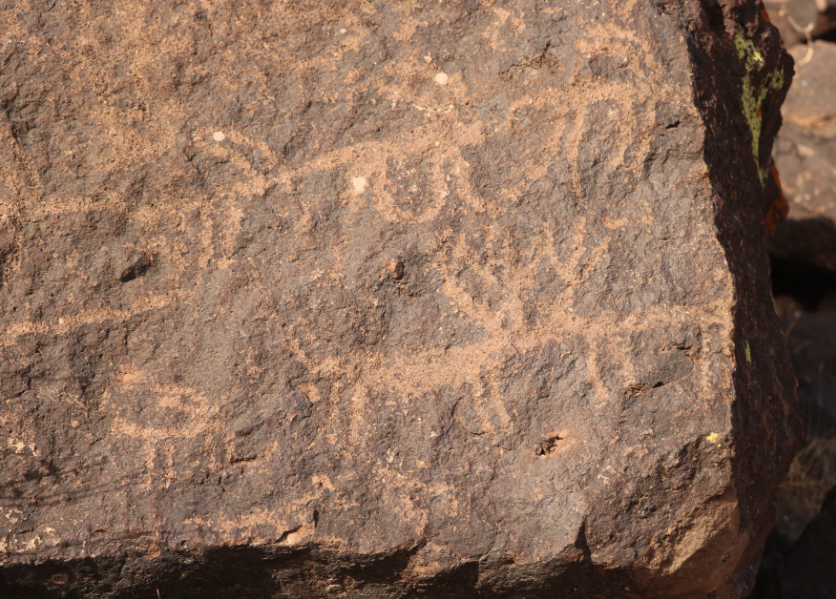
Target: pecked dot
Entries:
(359, 184)
(218, 136)
(441, 78)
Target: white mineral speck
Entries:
(218, 136)
(442, 78)
(359, 184)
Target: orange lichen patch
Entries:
(779, 210)
(765, 15)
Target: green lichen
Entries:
(753, 97)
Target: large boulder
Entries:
(388, 299)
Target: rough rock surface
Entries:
(377, 299)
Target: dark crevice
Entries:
(535, 62)
(287, 533)
(547, 446)
(582, 544)
(803, 264)
(813, 287)
(137, 267)
(716, 19)
(237, 459)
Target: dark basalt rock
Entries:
(378, 299)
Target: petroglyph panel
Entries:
(439, 283)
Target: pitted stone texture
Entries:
(378, 299)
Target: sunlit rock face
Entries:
(383, 299)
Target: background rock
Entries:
(379, 299)
(805, 155)
(792, 17)
(812, 341)
(803, 254)
(798, 19)
(807, 571)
